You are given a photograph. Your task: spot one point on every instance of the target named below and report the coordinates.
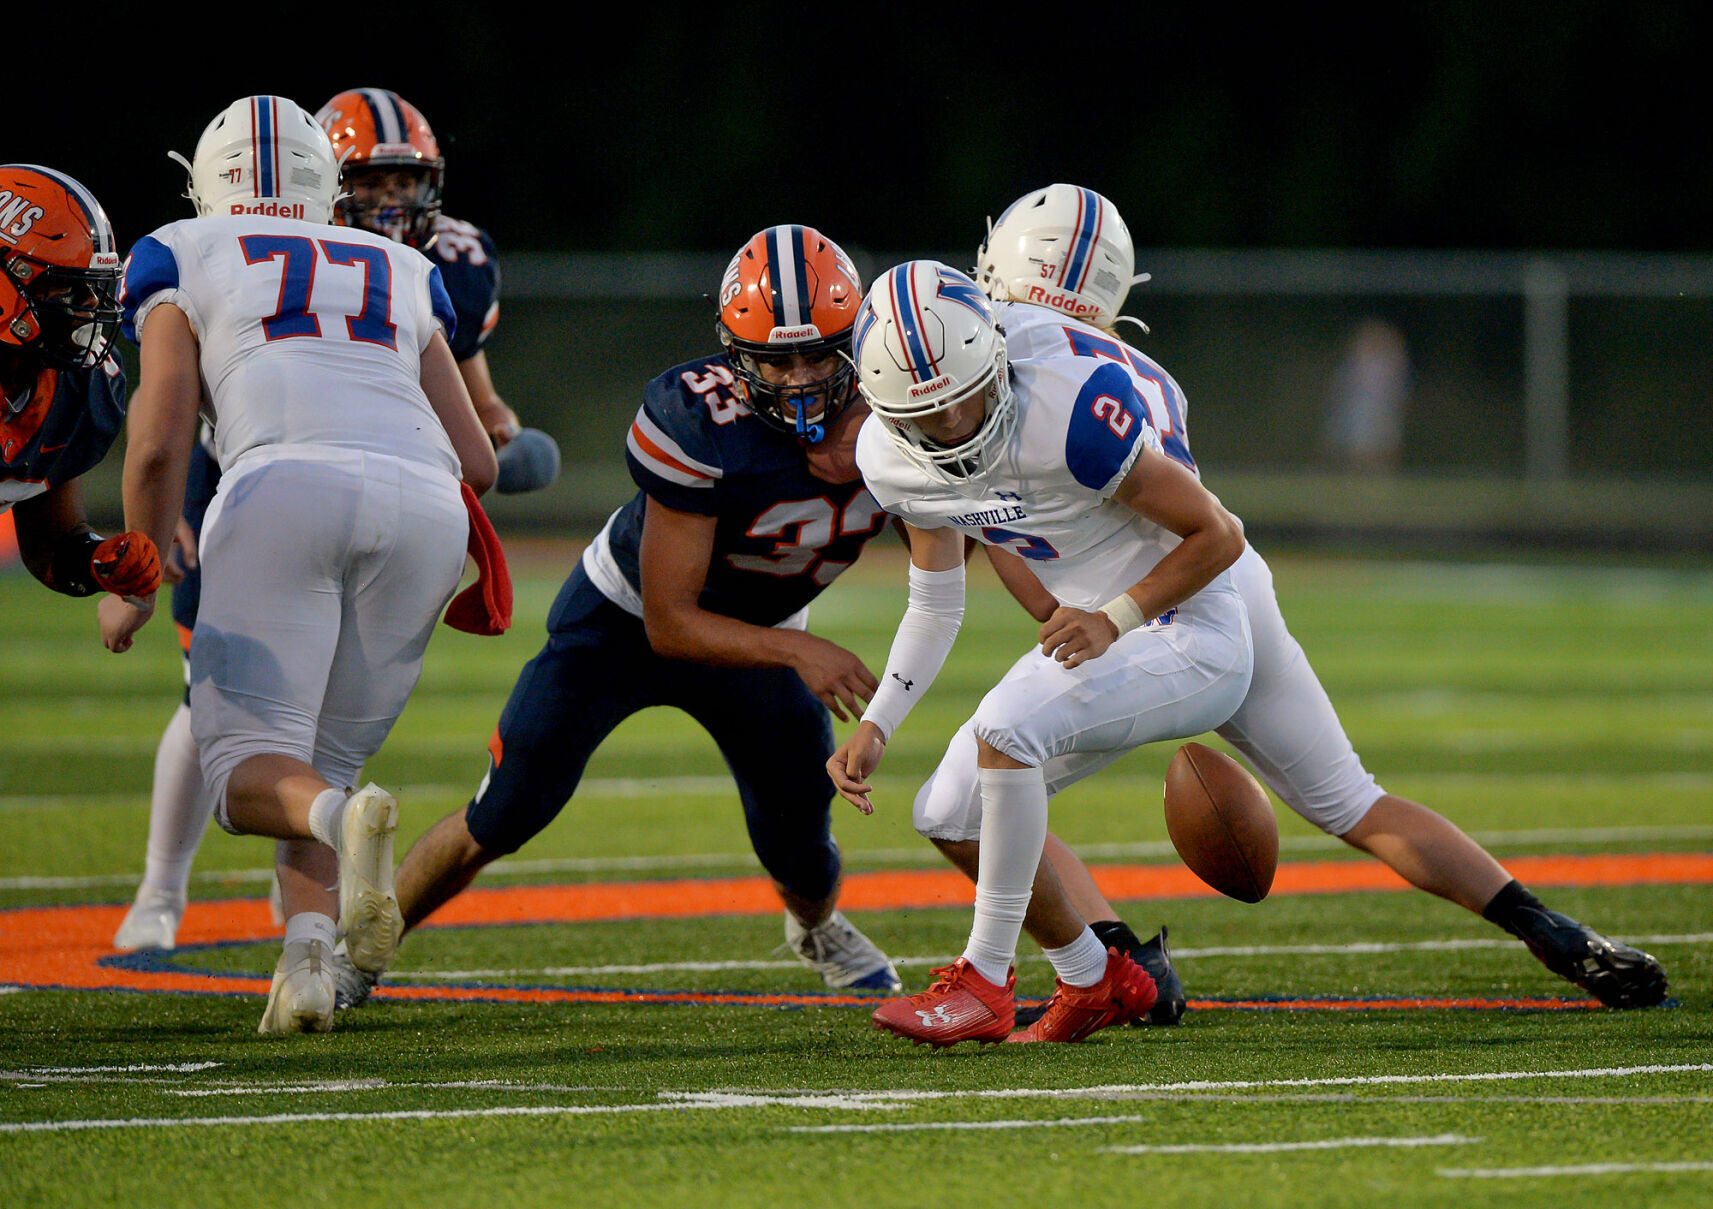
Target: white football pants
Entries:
(1286, 727)
(322, 581)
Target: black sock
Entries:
(1116, 934)
(1510, 907)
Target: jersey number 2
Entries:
(295, 315)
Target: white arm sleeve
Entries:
(924, 639)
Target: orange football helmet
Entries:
(791, 291)
(59, 269)
(375, 132)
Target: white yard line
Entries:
(922, 1126)
(334, 1086)
(923, 855)
(1232, 951)
(1518, 1173)
(1440, 1139)
(295, 1118)
(727, 1098)
(138, 1068)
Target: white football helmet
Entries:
(925, 343)
(264, 155)
(1063, 247)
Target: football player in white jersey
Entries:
(1054, 458)
(1058, 265)
(391, 171)
(351, 459)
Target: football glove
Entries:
(528, 462)
(127, 565)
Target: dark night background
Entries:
(1507, 130)
(1455, 124)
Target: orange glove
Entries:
(128, 565)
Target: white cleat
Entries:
(369, 916)
(151, 923)
(843, 956)
(301, 999)
(352, 987)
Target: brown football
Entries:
(1221, 822)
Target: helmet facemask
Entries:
(70, 316)
(409, 221)
(803, 409)
(966, 457)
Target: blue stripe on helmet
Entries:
(1082, 242)
(786, 259)
(800, 268)
(262, 123)
(903, 304)
(388, 114)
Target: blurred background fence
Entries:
(1432, 400)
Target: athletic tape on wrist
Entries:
(1124, 612)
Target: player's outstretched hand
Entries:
(121, 617)
(841, 680)
(127, 565)
(1072, 636)
(854, 763)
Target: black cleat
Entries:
(1153, 956)
(1615, 974)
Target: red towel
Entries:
(485, 607)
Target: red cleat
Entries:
(1123, 994)
(960, 1006)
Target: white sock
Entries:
(1082, 963)
(178, 809)
(326, 814)
(1013, 832)
(311, 925)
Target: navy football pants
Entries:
(596, 670)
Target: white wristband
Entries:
(1124, 612)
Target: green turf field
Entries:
(1551, 710)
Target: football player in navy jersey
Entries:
(392, 174)
(694, 595)
(62, 393)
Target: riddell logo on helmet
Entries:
(931, 388)
(272, 207)
(790, 335)
(1060, 301)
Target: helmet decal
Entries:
(1074, 274)
(789, 277)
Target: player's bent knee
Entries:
(1018, 747)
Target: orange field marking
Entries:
(70, 947)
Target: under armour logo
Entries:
(1008, 495)
(937, 1016)
(903, 681)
